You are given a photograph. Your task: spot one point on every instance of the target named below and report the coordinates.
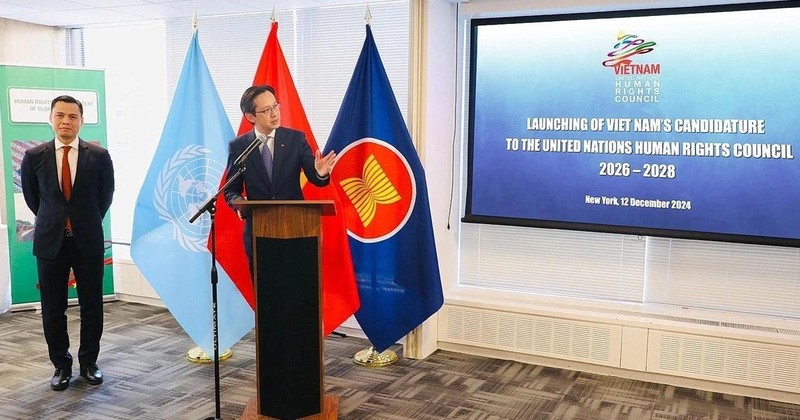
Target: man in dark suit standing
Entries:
(273, 171)
(69, 184)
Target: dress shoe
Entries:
(60, 379)
(92, 374)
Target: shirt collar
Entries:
(262, 135)
(59, 144)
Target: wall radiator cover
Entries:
(531, 334)
(724, 360)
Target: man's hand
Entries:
(324, 165)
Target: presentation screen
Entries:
(668, 122)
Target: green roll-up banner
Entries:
(25, 112)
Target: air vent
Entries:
(724, 360)
(529, 334)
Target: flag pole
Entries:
(196, 354)
(370, 357)
(211, 209)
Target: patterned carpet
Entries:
(147, 377)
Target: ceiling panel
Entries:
(111, 3)
(73, 18)
(75, 13)
(13, 9)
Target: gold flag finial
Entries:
(194, 17)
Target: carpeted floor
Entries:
(147, 377)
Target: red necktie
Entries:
(66, 180)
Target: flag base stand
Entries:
(196, 355)
(371, 358)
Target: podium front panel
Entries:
(286, 271)
(289, 350)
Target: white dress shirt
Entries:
(73, 158)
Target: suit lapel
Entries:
(49, 163)
(278, 151)
(83, 162)
(254, 161)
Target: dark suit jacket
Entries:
(291, 155)
(92, 192)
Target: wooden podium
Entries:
(286, 262)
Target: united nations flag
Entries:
(170, 252)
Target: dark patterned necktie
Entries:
(266, 156)
(66, 180)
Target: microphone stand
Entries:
(210, 207)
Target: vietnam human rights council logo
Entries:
(377, 187)
(634, 82)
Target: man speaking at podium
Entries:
(273, 171)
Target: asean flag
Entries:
(382, 185)
(339, 294)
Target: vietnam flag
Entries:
(339, 293)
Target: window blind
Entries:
(321, 46)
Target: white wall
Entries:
(433, 130)
(134, 59)
(27, 44)
(17, 41)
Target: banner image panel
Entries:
(24, 123)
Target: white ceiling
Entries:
(86, 12)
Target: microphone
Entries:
(247, 151)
